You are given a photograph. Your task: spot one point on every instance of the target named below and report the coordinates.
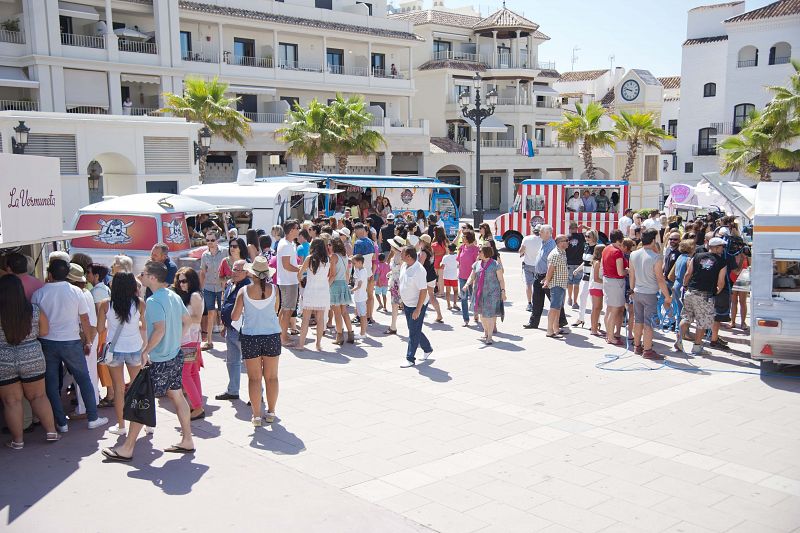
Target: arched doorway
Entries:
(454, 175)
(111, 174)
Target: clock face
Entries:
(630, 90)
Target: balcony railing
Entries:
(296, 65)
(83, 41)
(723, 128)
(18, 105)
(247, 61)
(348, 71)
(202, 57)
(265, 118)
(16, 37)
(500, 143)
(142, 112)
(776, 61)
(546, 65)
(547, 104)
(744, 63)
(88, 110)
(391, 74)
(704, 149)
(138, 47)
(443, 55)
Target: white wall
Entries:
(706, 21)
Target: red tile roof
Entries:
(715, 6)
(581, 75)
(447, 18)
(671, 82)
(505, 18)
(451, 63)
(704, 40)
(781, 8)
(448, 145)
(608, 99)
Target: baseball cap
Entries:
(724, 231)
(390, 216)
(345, 232)
(716, 241)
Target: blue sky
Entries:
(643, 34)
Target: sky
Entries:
(645, 34)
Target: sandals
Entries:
(439, 321)
(390, 331)
(294, 332)
(177, 448)
(207, 346)
(554, 336)
(52, 437)
(106, 402)
(113, 455)
(15, 445)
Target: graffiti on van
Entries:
(114, 231)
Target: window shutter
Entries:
(650, 168)
(62, 146)
(167, 155)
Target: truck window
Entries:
(517, 202)
(786, 278)
(445, 206)
(535, 203)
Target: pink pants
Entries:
(191, 383)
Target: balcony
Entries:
(776, 61)
(203, 56)
(265, 118)
(348, 71)
(19, 105)
(746, 63)
(137, 47)
(16, 37)
(724, 128)
(143, 112)
(298, 66)
(450, 55)
(83, 41)
(247, 61)
(512, 146)
(704, 149)
(510, 61)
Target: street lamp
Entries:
(20, 139)
(205, 142)
(477, 115)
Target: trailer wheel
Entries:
(512, 241)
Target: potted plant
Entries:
(10, 25)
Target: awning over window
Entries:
(77, 11)
(16, 77)
(85, 88)
(140, 78)
(250, 89)
(489, 125)
(545, 90)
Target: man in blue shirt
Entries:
(589, 203)
(233, 355)
(364, 246)
(166, 319)
(539, 292)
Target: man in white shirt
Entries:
(529, 249)
(626, 221)
(288, 285)
(414, 294)
(67, 311)
(653, 222)
(575, 203)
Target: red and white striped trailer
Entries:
(545, 202)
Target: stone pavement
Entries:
(526, 435)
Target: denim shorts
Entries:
(361, 308)
(575, 279)
(127, 358)
(530, 273)
(382, 291)
(557, 295)
(212, 300)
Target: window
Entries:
(780, 54)
(504, 56)
(186, 44)
(740, 114)
(382, 105)
(369, 7)
(674, 161)
(293, 101)
(534, 203)
(243, 48)
(287, 55)
(651, 168)
(464, 133)
(335, 60)
(709, 90)
(688, 168)
(707, 141)
(247, 103)
(65, 23)
(442, 49)
(538, 134)
(378, 63)
(786, 274)
(672, 127)
(323, 4)
(748, 57)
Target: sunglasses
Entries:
(211, 240)
(673, 240)
(183, 281)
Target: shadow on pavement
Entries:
(276, 439)
(175, 477)
(434, 374)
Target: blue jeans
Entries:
(416, 339)
(71, 354)
(465, 297)
(233, 360)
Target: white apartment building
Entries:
(730, 55)
(632, 91)
(504, 49)
(89, 58)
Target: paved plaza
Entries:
(525, 435)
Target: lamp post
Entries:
(477, 115)
(201, 149)
(20, 139)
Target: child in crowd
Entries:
(450, 273)
(627, 248)
(359, 291)
(382, 281)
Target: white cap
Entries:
(716, 241)
(345, 232)
(724, 231)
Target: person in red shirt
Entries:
(17, 264)
(613, 262)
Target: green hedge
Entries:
(646, 212)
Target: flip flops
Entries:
(113, 455)
(176, 448)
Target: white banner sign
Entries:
(30, 206)
(407, 199)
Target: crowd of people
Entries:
(264, 292)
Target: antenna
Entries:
(611, 59)
(575, 50)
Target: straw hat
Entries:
(397, 242)
(76, 273)
(58, 254)
(425, 237)
(260, 268)
(344, 231)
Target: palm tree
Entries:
(349, 121)
(759, 147)
(308, 133)
(786, 100)
(205, 102)
(585, 126)
(637, 129)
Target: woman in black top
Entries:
(426, 260)
(586, 266)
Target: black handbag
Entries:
(140, 400)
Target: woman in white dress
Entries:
(317, 294)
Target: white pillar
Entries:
(221, 50)
(495, 60)
(161, 19)
(275, 46)
(53, 30)
(517, 62)
(369, 59)
(42, 74)
(507, 190)
(531, 58)
(516, 99)
(410, 63)
(410, 111)
(385, 164)
(115, 93)
(59, 96)
(112, 43)
(478, 46)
